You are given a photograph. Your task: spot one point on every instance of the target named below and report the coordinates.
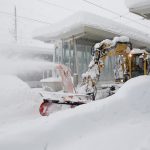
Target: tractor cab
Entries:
(138, 62)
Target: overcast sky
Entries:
(51, 11)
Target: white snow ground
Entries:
(17, 101)
(119, 122)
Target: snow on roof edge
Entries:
(94, 21)
(137, 3)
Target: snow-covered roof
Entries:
(92, 26)
(137, 3)
(141, 7)
(138, 51)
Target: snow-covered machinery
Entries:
(69, 96)
(119, 48)
(139, 62)
(85, 92)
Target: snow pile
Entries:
(120, 122)
(136, 93)
(17, 101)
(138, 51)
(113, 42)
(120, 39)
(108, 42)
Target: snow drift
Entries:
(120, 122)
(17, 100)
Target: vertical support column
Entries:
(62, 52)
(15, 29)
(69, 53)
(75, 56)
(86, 56)
(54, 55)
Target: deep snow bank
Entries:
(136, 94)
(17, 100)
(120, 122)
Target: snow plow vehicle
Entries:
(119, 47)
(68, 96)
